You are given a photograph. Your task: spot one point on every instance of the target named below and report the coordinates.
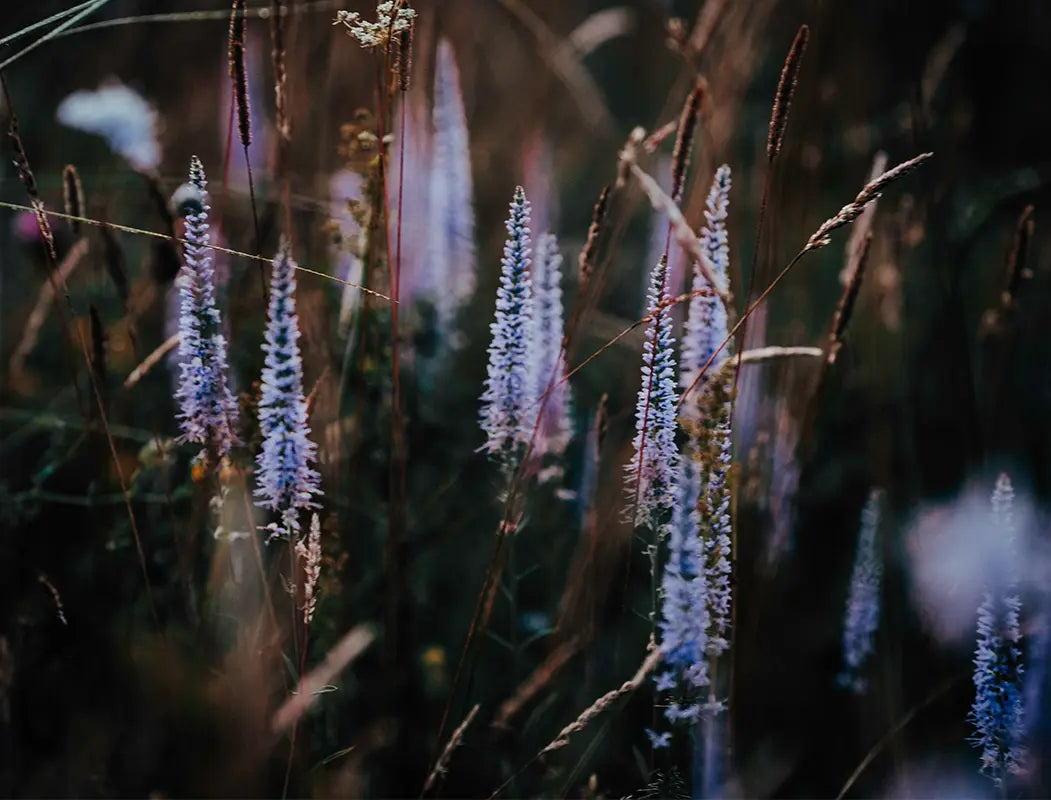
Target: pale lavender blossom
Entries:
(207, 409)
(684, 618)
(547, 356)
(651, 471)
(705, 326)
(286, 480)
(717, 533)
(449, 278)
(121, 116)
(508, 402)
(997, 713)
(863, 601)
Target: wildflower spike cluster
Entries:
(684, 605)
(717, 526)
(508, 411)
(547, 356)
(997, 713)
(287, 481)
(863, 602)
(705, 326)
(651, 473)
(451, 230)
(207, 409)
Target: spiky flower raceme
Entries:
(207, 410)
(651, 472)
(684, 619)
(286, 479)
(705, 326)
(997, 713)
(451, 255)
(508, 402)
(863, 602)
(547, 357)
(716, 523)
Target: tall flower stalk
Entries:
(451, 251)
(997, 713)
(547, 355)
(207, 409)
(863, 601)
(286, 479)
(651, 472)
(508, 401)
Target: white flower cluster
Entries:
(388, 22)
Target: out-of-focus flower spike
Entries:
(863, 601)
(546, 354)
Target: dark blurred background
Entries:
(940, 385)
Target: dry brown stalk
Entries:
(98, 345)
(60, 610)
(151, 360)
(455, 740)
(278, 12)
(352, 645)
(586, 261)
(680, 157)
(604, 702)
(39, 313)
(845, 308)
(1016, 258)
(863, 226)
(540, 678)
(851, 211)
(786, 88)
(73, 197)
(680, 229)
(236, 53)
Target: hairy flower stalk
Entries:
(863, 601)
(997, 713)
(508, 411)
(549, 363)
(286, 479)
(309, 550)
(651, 472)
(207, 409)
(451, 256)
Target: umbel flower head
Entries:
(651, 471)
(547, 356)
(207, 410)
(863, 602)
(997, 713)
(508, 407)
(286, 479)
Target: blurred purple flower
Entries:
(546, 355)
(863, 602)
(121, 116)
